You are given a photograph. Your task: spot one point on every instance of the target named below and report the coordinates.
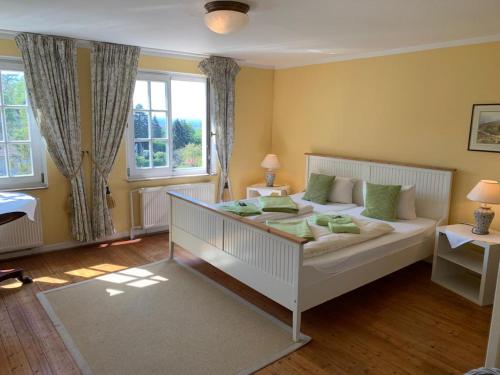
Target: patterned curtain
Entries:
(113, 70)
(222, 72)
(51, 78)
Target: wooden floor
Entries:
(401, 324)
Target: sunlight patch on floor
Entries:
(84, 272)
(135, 277)
(142, 283)
(120, 243)
(116, 278)
(49, 280)
(114, 292)
(11, 285)
(159, 278)
(108, 267)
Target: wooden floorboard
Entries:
(400, 324)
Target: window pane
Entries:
(1, 128)
(189, 123)
(158, 98)
(3, 162)
(141, 124)
(141, 100)
(159, 125)
(13, 88)
(142, 154)
(20, 163)
(16, 121)
(160, 154)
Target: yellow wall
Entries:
(410, 108)
(253, 117)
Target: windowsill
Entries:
(178, 176)
(38, 187)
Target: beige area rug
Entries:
(164, 318)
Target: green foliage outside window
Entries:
(187, 141)
(16, 125)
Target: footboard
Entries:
(261, 257)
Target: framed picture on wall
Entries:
(484, 134)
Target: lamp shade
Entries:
(270, 162)
(225, 21)
(486, 191)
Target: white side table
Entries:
(469, 270)
(258, 190)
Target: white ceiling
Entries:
(280, 33)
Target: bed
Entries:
(273, 263)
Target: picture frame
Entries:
(484, 133)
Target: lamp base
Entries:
(483, 217)
(270, 176)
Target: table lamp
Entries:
(271, 163)
(486, 192)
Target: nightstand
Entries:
(469, 269)
(257, 190)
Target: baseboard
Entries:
(72, 244)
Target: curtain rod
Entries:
(85, 43)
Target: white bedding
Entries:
(322, 208)
(406, 233)
(327, 242)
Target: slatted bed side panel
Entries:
(198, 221)
(260, 250)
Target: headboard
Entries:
(433, 184)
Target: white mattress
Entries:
(406, 233)
(321, 208)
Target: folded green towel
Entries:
(297, 228)
(336, 223)
(344, 228)
(278, 204)
(325, 219)
(249, 209)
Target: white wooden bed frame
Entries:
(271, 261)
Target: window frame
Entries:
(38, 147)
(134, 173)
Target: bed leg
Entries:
(170, 242)
(170, 247)
(297, 315)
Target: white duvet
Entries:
(326, 241)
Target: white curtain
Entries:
(51, 78)
(222, 72)
(113, 70)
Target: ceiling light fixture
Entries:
(224, 17)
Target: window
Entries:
(22, 156)
(167, 133)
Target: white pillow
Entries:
(341, 190)
(358, 193)
(406, 202)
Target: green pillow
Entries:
(318, 188)
(381, 201)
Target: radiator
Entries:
(154, 204)
(22, 233)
